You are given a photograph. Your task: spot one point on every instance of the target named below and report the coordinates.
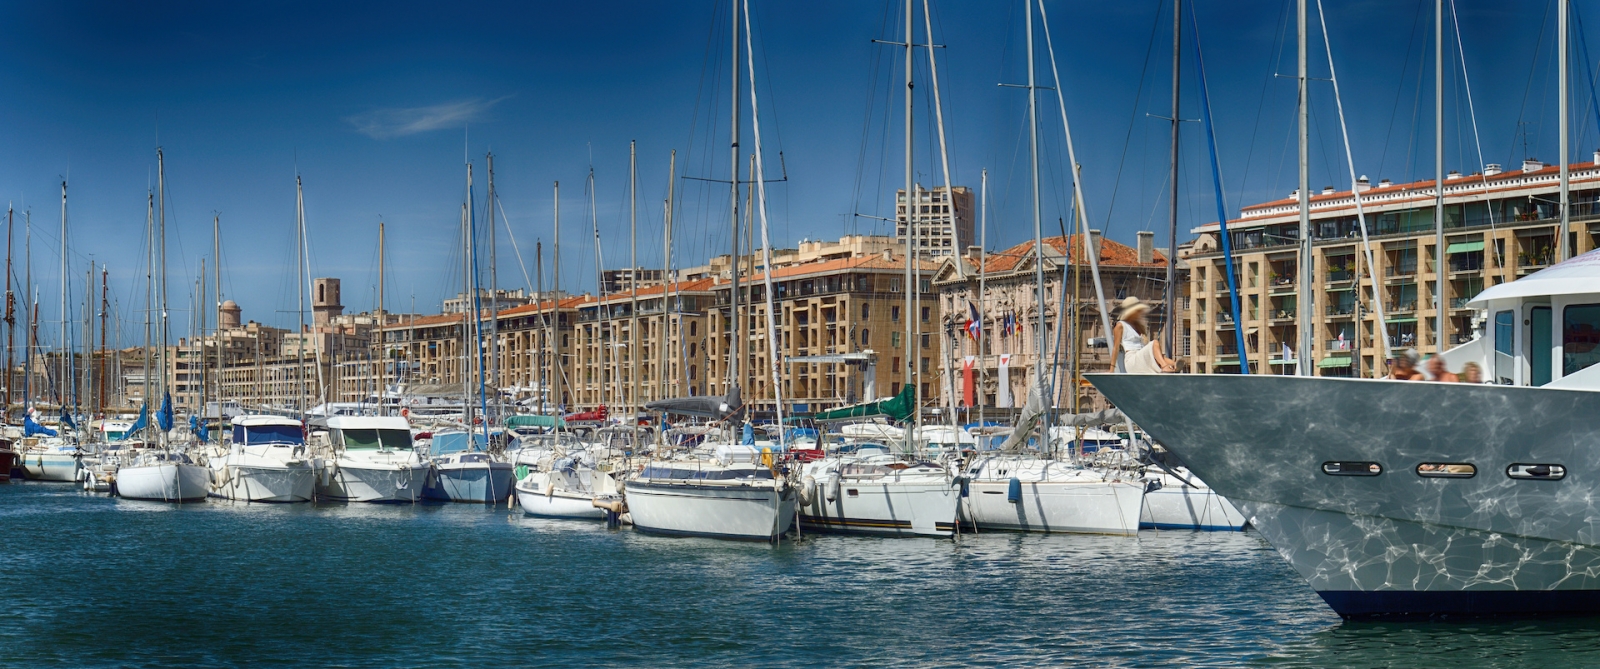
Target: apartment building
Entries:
(943, 219)
(1499, 226)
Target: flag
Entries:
(968, 388)
(66, 419)
(974, 323)
(1003, 392)
(164, 416)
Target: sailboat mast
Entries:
(737, 324)
(633, 289)
(105, 305)
(63, 378)
(466, 324)
(161, 237)
(1170, 299)
(477, 309)
(199, 333)
(1565, 243)
(668, 296)
(1303, 271)
(216, 268)
(543, 336)
(149, 290)
(11, 317)
(383, 349)
(494, 305)
(300, 278)
(983, 275)
(912, 351)
(1440, 337)
(555, 319)
(1038, 226)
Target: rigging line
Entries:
(1133, 116)
(1261, 104)
(1588, 65)
(1400, 86)
(1461, 49)
(1522, 113)
(513, 235)
(1416, 109)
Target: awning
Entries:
(1464, 247)
(1334, 361)
(1282, 361)
(1404, 319)
(535, 421)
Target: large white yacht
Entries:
(267, 462)
(372, 460)
(1418, 498)
(728, 491)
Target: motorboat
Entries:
(1417, 498)
(464, 470)
(729, 491)
(1030, 492)
(371, 459)
(266, 461)
(878, 494)
(163, 475)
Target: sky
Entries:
(378, 107)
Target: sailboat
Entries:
(162, 473)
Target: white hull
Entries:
(1177, 506)
(44, 466)
(253, 483)
(476, 482)
(558, 504)
(363, 482)
(894, 508)
(1083, 507)
(759, 511)
(164, 482)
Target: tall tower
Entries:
(325, 304)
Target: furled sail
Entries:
(898, 408)
(1032, 411)
(705, 406)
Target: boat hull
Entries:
(372, 483)
(557, 504)
(253, 483)
(477, 482)
(1396, 543)
(9, 460)
(759, 512)
(47, 466)
(164, 482)
(1077, 507)
(885, 508)
(1176, 506)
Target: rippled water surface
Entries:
(94, 581)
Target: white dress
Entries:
(1135, 357)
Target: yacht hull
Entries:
(557, 504)
(1177, 506)
(47, 466)
(886, 508)
(372, 483)
(760, 512)
(165, 482)
(1396, 543)
(251, 483)
(477, 482)
(9, 459)
(1078, 507)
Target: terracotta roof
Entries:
(1111, 253)
(569, 302)
(425, 321)
(874, 261)
(697, 285)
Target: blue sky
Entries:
(376, 105)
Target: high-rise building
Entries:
(943, 220)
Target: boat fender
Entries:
(833, 486)
(808, 491)
(1152, 485)
(1014, 490)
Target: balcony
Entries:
(1473, 263)
(1460, 338)
(1280, 283)
(1342, 275)
(1283, 315)
(1341, 309)
(1339, 345)
(1404, 270)
(1539, 259)
(1459, 302)
(1227, 351)
(1224, 319)
(1401, 307)
(1405, 340)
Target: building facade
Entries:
(942, 217)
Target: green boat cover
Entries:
(535, 421)
(900, 407)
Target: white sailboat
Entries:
(567, 487)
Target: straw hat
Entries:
(1130, 306)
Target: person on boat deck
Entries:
(1471, 373)
(1404, 366)
(1134, 350)
(1440, 371)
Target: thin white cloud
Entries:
(392, 122)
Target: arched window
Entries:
(694, 329)
(692, 370)
(866, 337)
(866, 310)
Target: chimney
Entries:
(1532, 165)
(1494, 168)
(1385, 183)
(1147, 247)
(1597, 156)
(1452, 175)
(1363, 183)
(1294, 194)
(975, 252)
(1327, 190)
(888, 254)
(1094, 242)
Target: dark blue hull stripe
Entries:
(1463, 603)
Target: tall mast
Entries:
(466, 322)
(300, 277)
(913, 350)
(667, 276)
(494, 304)
(477, 308)
(607, 351)
(63, 377)
(543, 336)
(554, 344)
(1170, 299)
(11, 317)
(149, 288)
(633, 288)
(1565, 244)
(216, 267)
(383, 348)
(105, 304)
(161, 241)
(983, 275)
(1440, 337)
(1303, 271)
(1038, 226)
(200, 332)
(736, 324)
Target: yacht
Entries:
(729, 491)
(372, 459)
(880, 494)
(464, 470)
(1408, 499)
(162, 475)
(1029, 492)
(267, 462)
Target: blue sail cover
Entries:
(31, 428)
(140, 424)
(164, 416)
(66, 419)
(198, 428)
(749, 436)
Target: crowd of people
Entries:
(1404, 368)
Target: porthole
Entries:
(1446, 470)
(1352, 468)
(1532, 472)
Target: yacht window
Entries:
(1505, 324)
(1537, 472)
(1352, 468)
(267, 434)
(1580, 337)
(399, 439)
(1540, 341)
(1446, 470)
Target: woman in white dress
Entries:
(1136, 352)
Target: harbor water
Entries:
(97, 581)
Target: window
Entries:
(894, 314)
(1352, 468)
(1505, 327)
(866, 337)
(894, 284)
(1580, 337)
(925, 365)
(866, 310)
(1540, 342)
(694, 328)
(926, 312)
(894, 340)
(1440, 470)
(1536, 472)
(925, 339)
